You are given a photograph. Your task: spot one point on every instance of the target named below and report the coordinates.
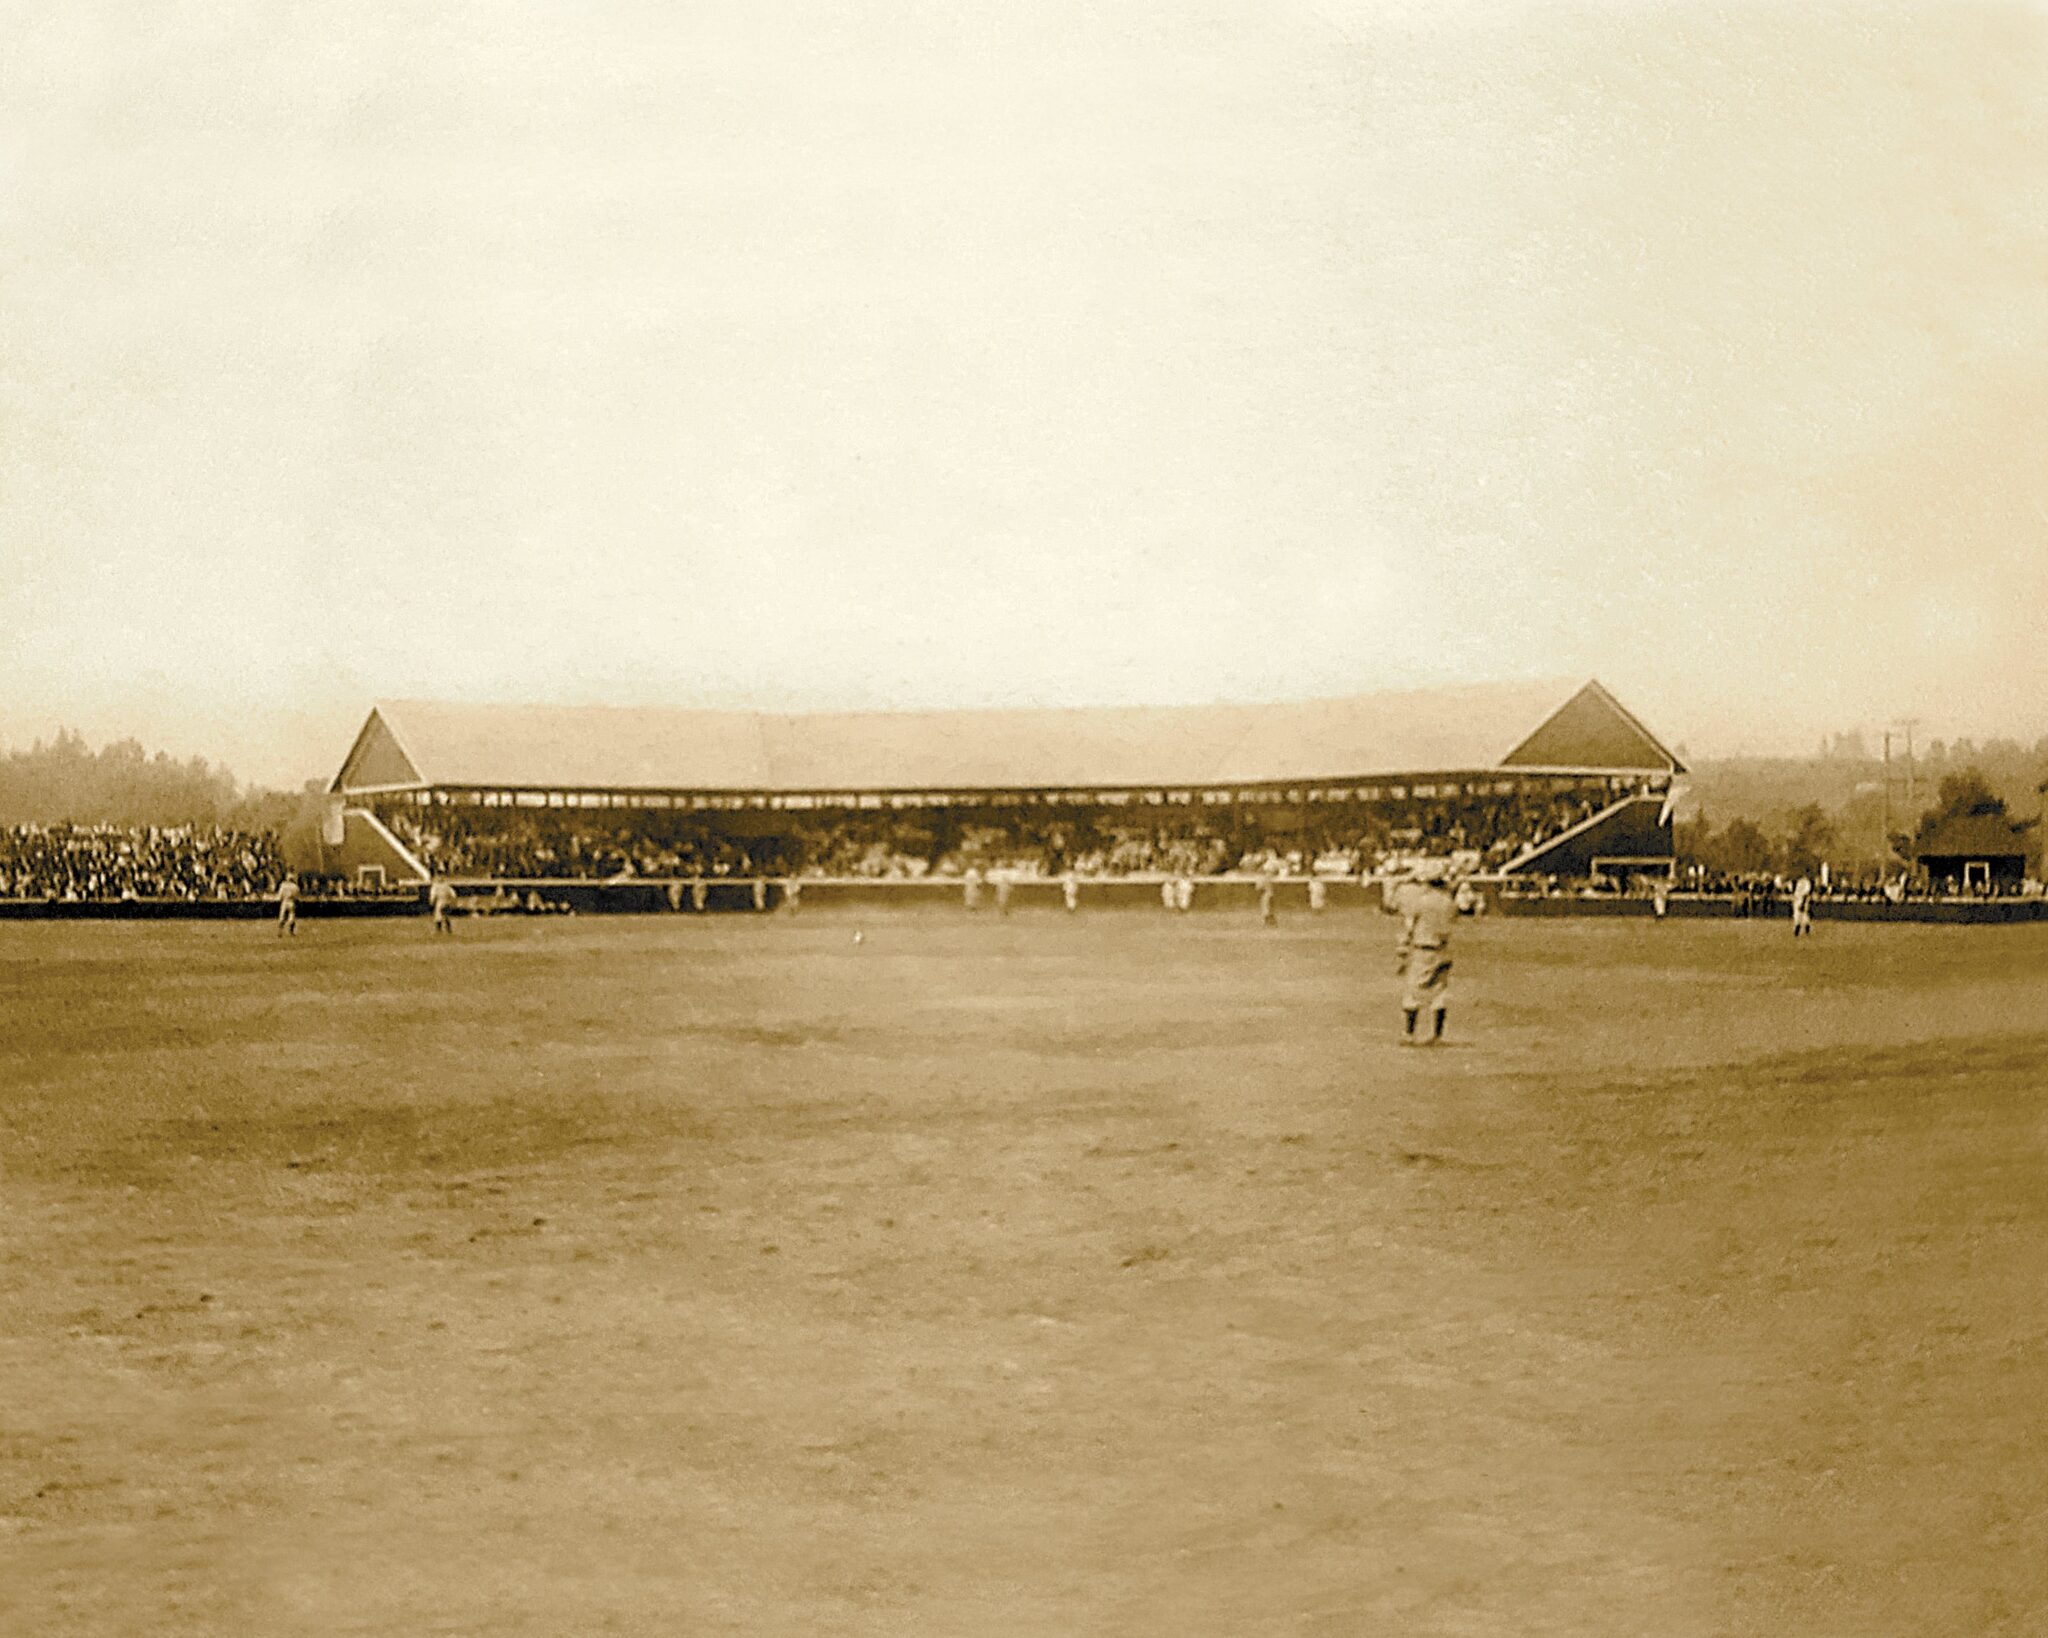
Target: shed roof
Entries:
(1975, 836)
(610, 748)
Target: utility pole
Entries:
(1902, 728)
(1884, 834)
(1912, 805)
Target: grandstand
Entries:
(1523, 778)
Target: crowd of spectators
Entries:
(1035, 840)
(98, 863)
(196, 862)
(106, 862)
(518, 844)
(1896, 886)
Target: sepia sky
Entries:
(904, 352)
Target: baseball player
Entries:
(440, 899)
(1427, 911)
(1802, 906)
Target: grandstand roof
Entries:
(1563, 725)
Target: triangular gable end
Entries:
(1592, 729)
(376, 760)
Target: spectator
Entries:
(105, 862)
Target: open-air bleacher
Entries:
(79, 863)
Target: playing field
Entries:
(1114, 1274)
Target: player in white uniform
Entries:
(288, 907)
(1070, 890)
(1266, 913)
(1428, 912)
(440, 899)
(1802, 906)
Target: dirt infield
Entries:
(1041, 1276)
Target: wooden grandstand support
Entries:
(368, 844)
(1621, 824)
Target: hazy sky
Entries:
(905, 352)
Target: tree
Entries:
(1810, 841)
(64, 781)
(1744, 850)
(1692, 840)
(1961, 795)
(1738, 850)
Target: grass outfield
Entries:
(1113, 1274)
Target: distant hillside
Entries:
(1768, 791)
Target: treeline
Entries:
(65, 781)
(1853, 838)
(1849, 784)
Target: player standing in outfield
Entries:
(1427, 911)
(1266, 914)
(699, 894)
(970, 892)
(1802, 906)
(1003, 885)
(288, 906)
(440, 898)
(1318, 893)
(1070, 890)
(793, 894)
